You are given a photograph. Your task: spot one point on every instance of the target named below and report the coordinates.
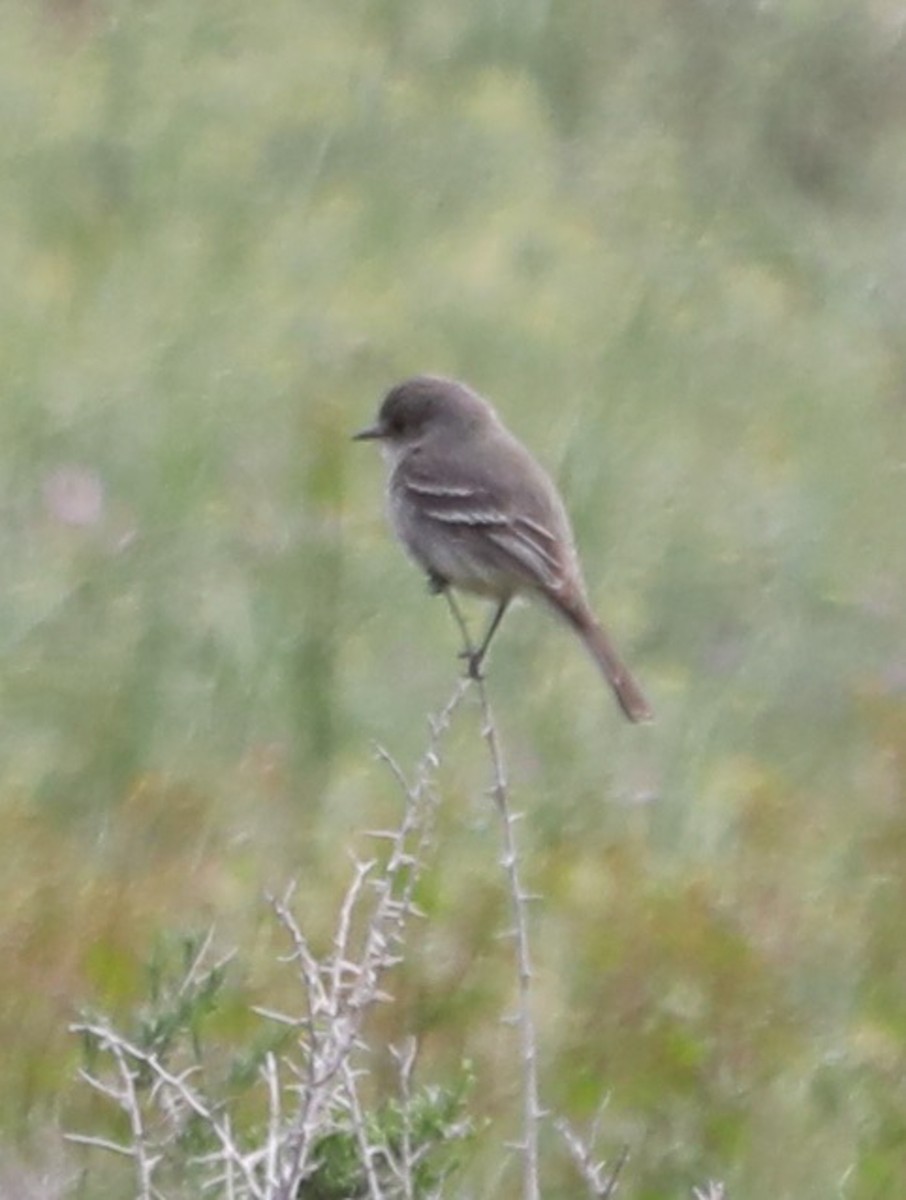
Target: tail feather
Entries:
(629, 695)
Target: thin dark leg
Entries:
(436, 583)
(460, 620)
(473, 657)
(476, 659)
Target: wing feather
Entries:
(523, 530)
(532, 547)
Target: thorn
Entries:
(401, 860)
(494, 793)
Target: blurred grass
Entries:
(667, 239)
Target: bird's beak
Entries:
(364, 435)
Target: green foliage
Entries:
(417, 1136)
(174, 1009)
(431, 1125)
(667, 239)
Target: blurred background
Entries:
(667, 238)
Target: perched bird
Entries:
(476, 511)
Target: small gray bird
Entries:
(477, 512)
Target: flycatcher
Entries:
(477, 512)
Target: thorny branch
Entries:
(312, 1091)
(520, 899)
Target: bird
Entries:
(477, 512)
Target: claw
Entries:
(473, 664)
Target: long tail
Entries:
(628, 693)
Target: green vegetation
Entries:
(667, 239)
(192, 1112)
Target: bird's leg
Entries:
(469, 651)
(437, 585)
(476, 657)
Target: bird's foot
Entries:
(473, 660)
